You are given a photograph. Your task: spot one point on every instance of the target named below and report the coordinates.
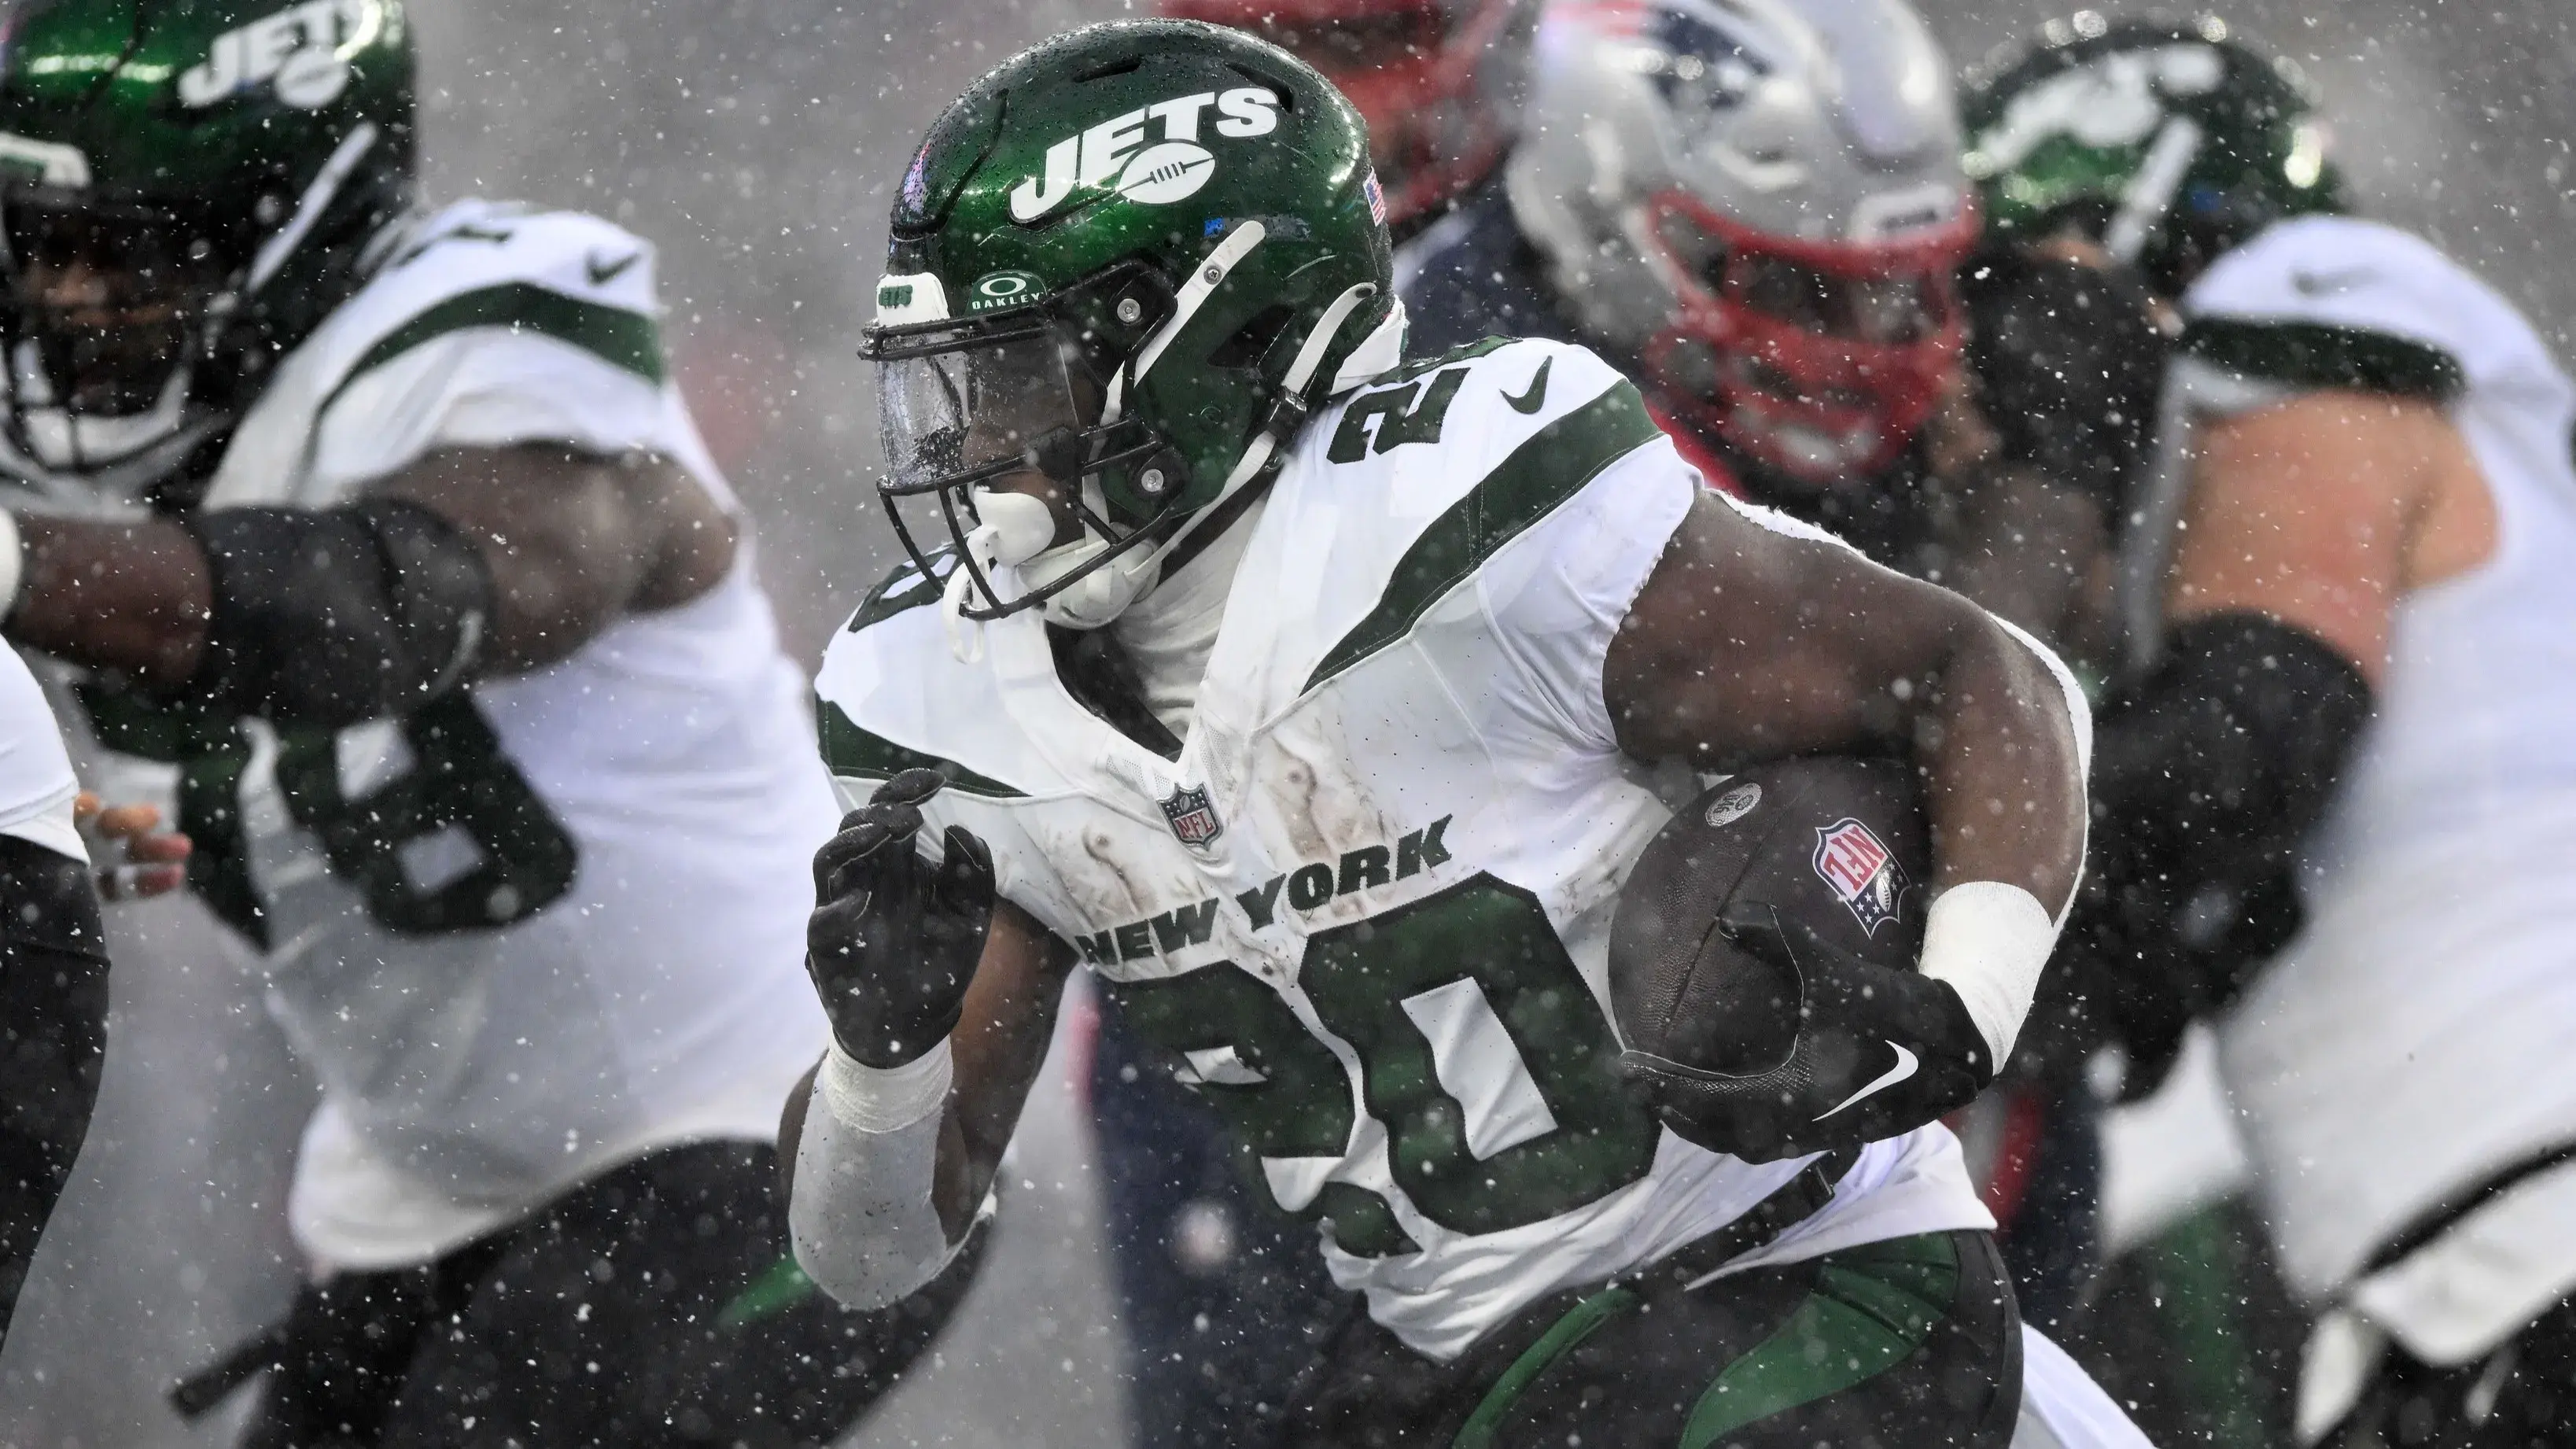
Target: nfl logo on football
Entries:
(1861, 871)
(1193, 818)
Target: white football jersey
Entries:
(36, 783)
(2412, 1041)
(1368, 904)
(556, 919)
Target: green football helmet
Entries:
(187, 188)
(2167, 141)
(1132, 258)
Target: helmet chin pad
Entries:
(1097, 598)
(1014, 527)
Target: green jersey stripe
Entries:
(1527, 486)
(1563, 1337)
(1872, 1307)
(851, 751)
(2314, 354)
(614, 335)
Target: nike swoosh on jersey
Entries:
(1906, 1062)
(1536, 396)
(601, 274)
(2323, 284)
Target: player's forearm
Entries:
(2002, 741)
(573, 541)
(129, 597)
(861, 1211)
(1000, 1046)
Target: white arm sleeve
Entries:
(861, 1215)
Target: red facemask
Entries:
(1818, 359)
(1433, 132)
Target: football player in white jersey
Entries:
(387, 531)
(53, 964)
(1317, 701)
(2346, 586)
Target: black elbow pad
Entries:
(328, 618)
(2227, 752)
(2207, 776)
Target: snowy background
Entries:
(755, 142)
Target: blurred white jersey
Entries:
(36, 784)
(2412, 1042)
(556, 919)
(1368, 904)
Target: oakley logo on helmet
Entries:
(1114, 154)
(302, 51)
(1002, 289)
(2115, 101)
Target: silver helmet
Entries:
(1761, 201)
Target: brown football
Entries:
(1837, 843)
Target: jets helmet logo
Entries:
(1861, 871)
(301, 51)
(1114, 155)
(1193, 818)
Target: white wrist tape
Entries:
(888, 1099)
(1990, 940)
(13, 562)
(861, 1218)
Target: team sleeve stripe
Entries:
(623, 339)
(852, 752)
(2315, 354)
(1525, 487)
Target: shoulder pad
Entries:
(1478, 407)
(558, 274)
(889, 697)
(1411, 484)
(902, 589)
(2336, 302)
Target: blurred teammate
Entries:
(1759, 211)
(387, 532)
(1308, 696)
(2346, 587)
(53, 961)
(1438, 81)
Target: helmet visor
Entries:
(956, 409)
(982, 403)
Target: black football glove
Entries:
(1878, 1053)
(893, 940)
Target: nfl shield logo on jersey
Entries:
(1861, 871)
(1193, 818)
